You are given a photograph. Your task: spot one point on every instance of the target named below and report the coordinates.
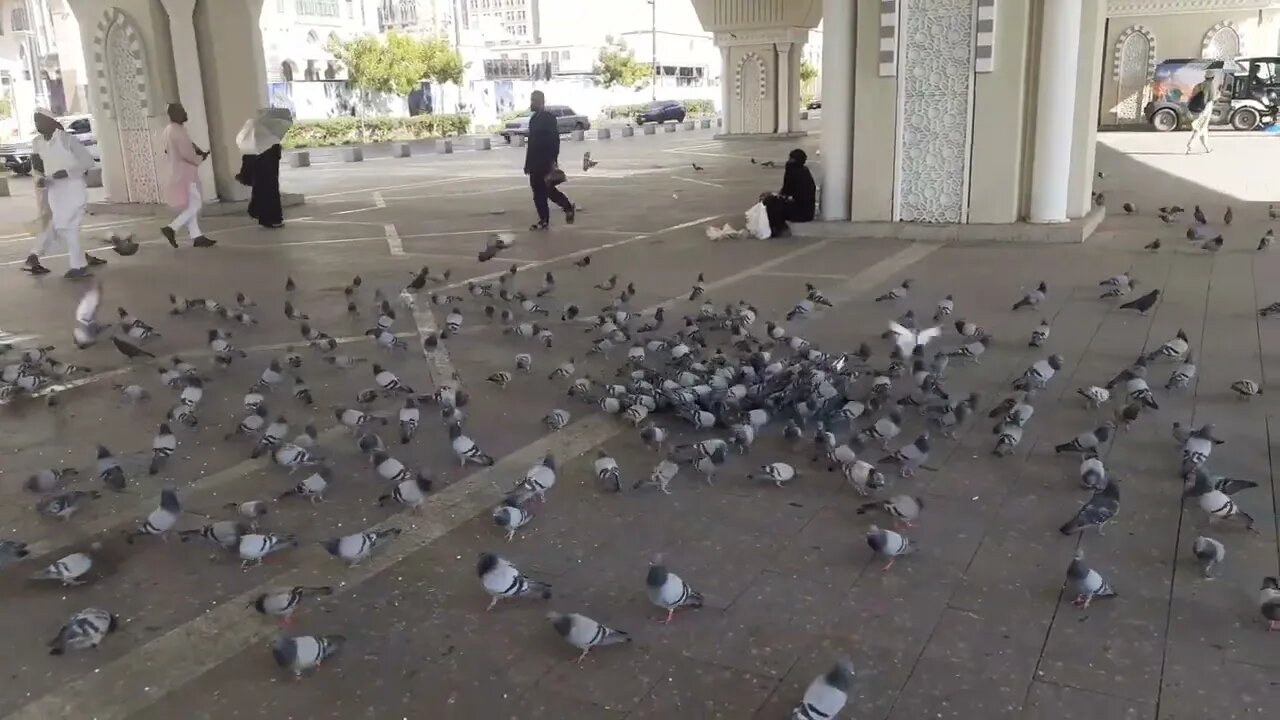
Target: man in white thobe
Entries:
(60, 162)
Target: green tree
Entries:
(397, 64)
(443, 63)
(618, 66)
(808, 73)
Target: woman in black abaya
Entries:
(262, 173)
(796, 201)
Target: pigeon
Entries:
(1213, 244)
(1033, 298)
(357, 548)
(1228, 216)
(512, 516)
(1269, 602)
(225, 534)
(1199, 215)
(661, 475)
(1246, 388)
(501, 580)
(110, 472)
(1142, 304)
(607, 472)
(1152, 246)
(1095, 395)
(909, 457)
(411, 493)
(668, 591)
(162, 448)
(889, 544)
(129, 350)
(1007, 438)
(778, 473)
(538, 479)
(255, 546)
(11, 551)
(87, 328)
(1267, 239)
(587, 162)
(1129, 208)
(1040, 373)
(1137, 390)
(902, 508)
(584, 633)
(1214, 496)
(1210, 553)
(303, 654)
(283, 603)
(908, 339)
(83, 630)
(898, 292)
(49, 479)
(466, 450)
(1093, 474)
(161, 520)
(945, 307)
(1087, 441)
(1097, 511)
(827, 695)
(1040, 334)
(69, 570)
(1089, 583)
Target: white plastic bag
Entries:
(758, 221)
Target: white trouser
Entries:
(1200, 129)
(67, 198)
(190, 216)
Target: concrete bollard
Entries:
(302, 158)
(603, 134)
(400, 150)
(688, 124)
(804, 114)
(719, 122)
(705, 123)
(93, 178)
(650, 129)
(577, 136)
(521, 140)
(4, 187)
(444, 147)
(628, 131)
(484, 144)
(669, 128)
(352, 154)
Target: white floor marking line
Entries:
(699, 182)
(336, 222)
(876, 275)
(402, 186)
(356, 210)
(140, 678)
(439, 363)
(429, 196)
(105, 248)
(394, 244)
(739, 277)
(20, 237)
(579, 253)
(378, 200)
(813, 276)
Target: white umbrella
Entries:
(266, 128)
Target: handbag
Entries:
(556, 176)
(1197, 102)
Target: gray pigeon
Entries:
(1097, 512)
(1209, 552)
(501, 579)
(1089, 583)
(827, 695)
(86, 629)
(668, 591)
(584, 633)
(11, 551)
(888, 543)
(305, 653)
(282, 603)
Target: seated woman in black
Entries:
(796, 200)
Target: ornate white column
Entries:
(1055, 111)
(726, 88)
(182, 33)
(837, 108)
(783, 51)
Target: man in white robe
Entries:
(60, 162)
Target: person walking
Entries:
(541, 163)
(182, 190)
(59, 162)
(260, 144)
(1201, 103)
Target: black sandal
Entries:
(34, 267)
(95, 261)
(541, 225)
(570, 214)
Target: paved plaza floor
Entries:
(975, 624)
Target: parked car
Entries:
(566, 118)
(815, 104)
(17, 156)
(1248, 92)
(661, 111)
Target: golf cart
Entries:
(1248, 92)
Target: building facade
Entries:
(298, 33)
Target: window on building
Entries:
(564, 54)
(280, 6)
(318, 8)
(19, 21)
(351, 9)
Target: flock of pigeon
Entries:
(717, 372)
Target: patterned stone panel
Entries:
(935, 76)
(751, 93)
(127, 93)
(1135, 60)
(1222, 42)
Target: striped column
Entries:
(888, 57)
(984, 60)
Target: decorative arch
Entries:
(750, 81)
(1133, 67)
(115, 19)
(1223, 41)
(750, 56)
(288, 70)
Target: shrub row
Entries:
(347, 130)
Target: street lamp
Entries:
(653, 51)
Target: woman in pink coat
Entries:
(182, 191)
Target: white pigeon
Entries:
(908, 339)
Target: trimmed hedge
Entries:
(346, 130)
(692, 109)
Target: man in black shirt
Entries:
(541, 158)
